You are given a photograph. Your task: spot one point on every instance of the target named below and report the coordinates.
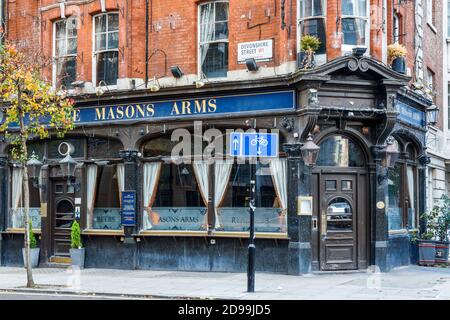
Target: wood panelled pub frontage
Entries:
(357, 205)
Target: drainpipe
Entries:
(146, 43)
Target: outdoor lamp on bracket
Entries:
(432, 114)
(34, 169)
(390, 155)
(310, 151)
(68, 166)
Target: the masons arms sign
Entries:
(172, 109)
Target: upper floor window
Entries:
(355, 19)
(65, 53)
(396, 28)
(106, 49)
(214, 39)
(311, 16)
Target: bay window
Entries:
(355, 23)
(65, 53)
(311, 21)
(213, 49)
(16, 213)
(104, 185)
(197, 195)
(106, 49)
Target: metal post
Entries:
(251, 242)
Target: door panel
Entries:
(62, 217)
(338, 221)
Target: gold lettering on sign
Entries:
(200, 107)
(186, 107)
(150, 110)
(140, 111)
(76, 116)
(111, 115)
(119, 112)
(212, 105)
(175, 109)
(129, 112)
(100, 114)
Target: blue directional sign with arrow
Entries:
(251, 145)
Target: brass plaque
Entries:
(44, 210)
(304, 206)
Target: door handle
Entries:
(314, 223)
(323, 221)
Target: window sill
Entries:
(171, 233)
(260, 235)
(20, 231)
(103, 232)
(218, 234)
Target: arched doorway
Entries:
(340, 222)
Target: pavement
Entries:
(411, 282)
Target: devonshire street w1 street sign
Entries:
(252, 145)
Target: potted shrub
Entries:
(77, 252)
(438, 226)
(308, 45)
(396, 55)
(443, 227)
(34, 250)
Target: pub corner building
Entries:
(356, 205)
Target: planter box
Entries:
(77, 257)
(399, 65)
(427, 252)
(442, 248)
(34, 257)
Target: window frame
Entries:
(210, 205)
(349, 47)
(54, 42)
(322, 57)
(200, 43)
(95, 52)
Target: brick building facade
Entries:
(193, 216)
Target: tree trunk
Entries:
(26, 202)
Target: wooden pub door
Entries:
(341, 220)
(62, 216)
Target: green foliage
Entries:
(33, 243)
(438, 221)
(75, 236)
(309, 43)
(28, 100)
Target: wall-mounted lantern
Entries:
(34, 170)
(432, 114)
(310, 151)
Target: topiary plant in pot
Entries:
(309, 45)
(396, 55)
(77, 252)
(34, 250)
